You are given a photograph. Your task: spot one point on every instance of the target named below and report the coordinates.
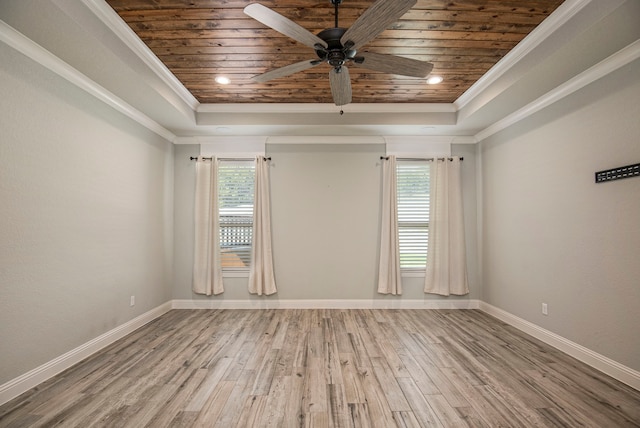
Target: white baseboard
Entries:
(23, 383)
(606, 365)
(32, 378)
(216, 303)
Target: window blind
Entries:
(412, 178)
(235, 207)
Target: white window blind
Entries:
(413, 212)
(235, 206)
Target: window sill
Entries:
(412, 273)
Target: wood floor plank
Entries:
(447, 415)
(264, 375)
(293, 412)
(209, 383)
(582, 401)
(359, 415)
(445, 386)
(273, 415)
(417, 374)
(287, 354)
(216, 402)
(143, 411)
(490, 411)
(176, 402)
(314, 397)
(418, 403)
(405, 420)
(327, 368)
(389, 385)
(352, 379)
(338, 407)
(390, 354)
(595, 387)
(377, 404)
(231, 413)
(251, 412)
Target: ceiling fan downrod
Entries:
(336, 3)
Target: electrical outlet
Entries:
(132, 301)
(545, 309)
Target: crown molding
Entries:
(37, 53)
(327, 108)
(619, 59)
(328, 139)
(112, 20)
(556, 20)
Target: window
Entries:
(235, 207)
(413, 212)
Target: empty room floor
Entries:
(327, 368)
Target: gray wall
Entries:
(552, 235)
(325, 219)
(86, 217)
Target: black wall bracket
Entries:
(618, 173)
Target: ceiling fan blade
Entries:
(340, 85)
(286, 70)
(283, 25)
(393, 64)
(375, 20)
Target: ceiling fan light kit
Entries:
(338, 46)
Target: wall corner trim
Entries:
(32, 378)
(606, 365)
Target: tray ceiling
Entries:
(199, 40)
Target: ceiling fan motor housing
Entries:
(335, 54)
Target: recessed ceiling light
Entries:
(223, 80)
(434, 80)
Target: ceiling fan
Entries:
(339, 46)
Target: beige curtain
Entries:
(446, 271)
(389, 278)
(261, 275)
(207, 270)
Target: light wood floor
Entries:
(327, 368)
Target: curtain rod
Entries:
(228, 159)
(418, 159)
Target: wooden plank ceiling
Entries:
(201, 39)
